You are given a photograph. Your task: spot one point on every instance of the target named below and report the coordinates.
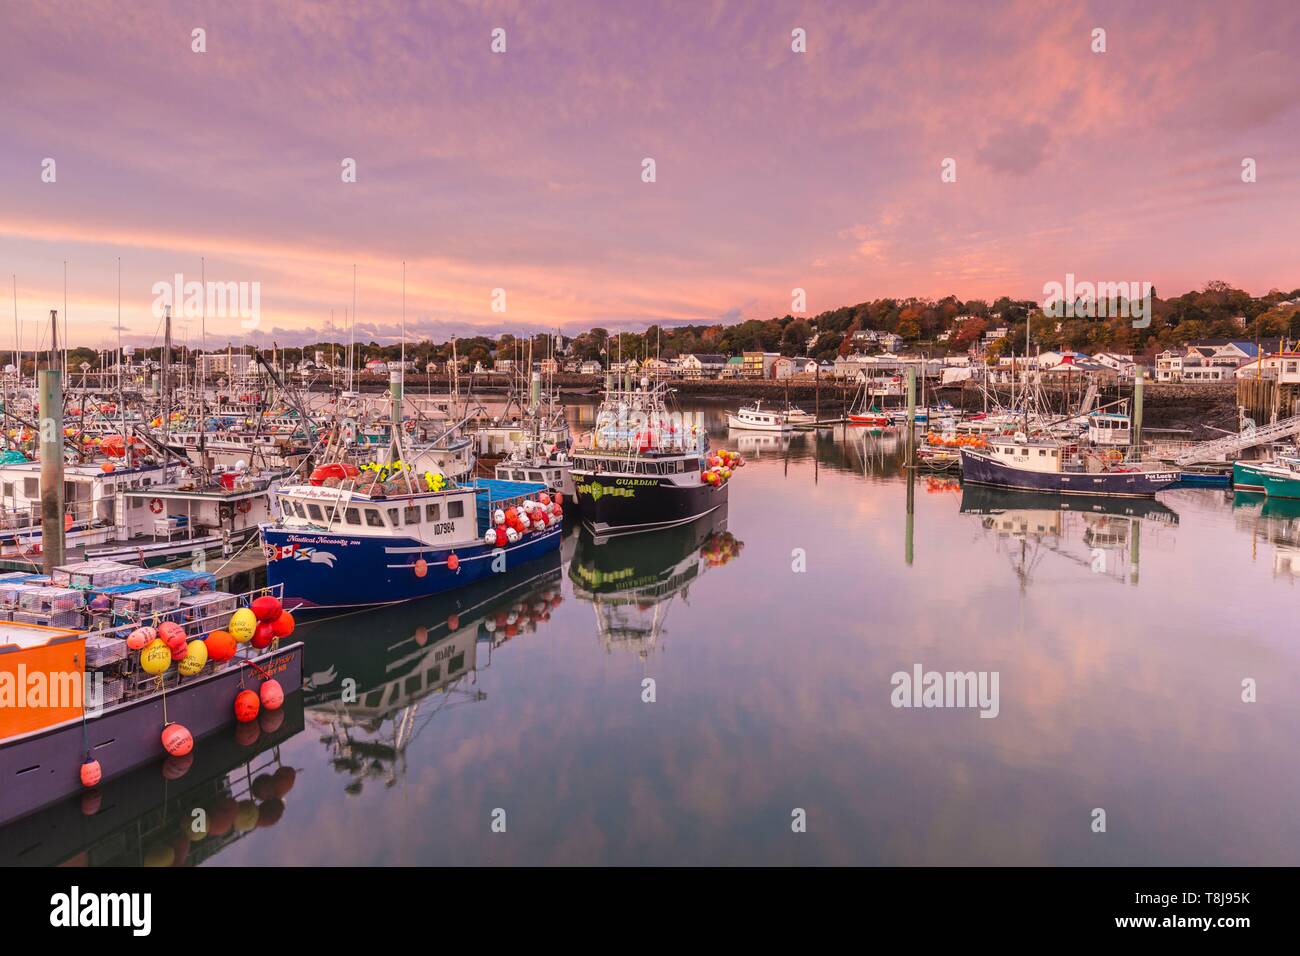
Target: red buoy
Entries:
(453, 562)
(266, 608)
(421, 567)
(246, 706)
(91, 773)
(176, 740)
(264, 634)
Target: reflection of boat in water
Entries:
(146, 817)
(1275, 521)
(370, 697)
(1109, 528)
(985, 499)
(753, 444)
(632, 582)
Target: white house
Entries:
(790, 366)
(701, 365)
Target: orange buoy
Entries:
(421, 567)
(272, 694)
(283, 625)
(176, 740)
(91, 774)
(453, 622)
(453, 562)
(246, 706)
(221, 645)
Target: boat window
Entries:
(412, 515)
(1042, 452)
(455, 509)
(373, 518)
(315, 512)
(518, 476)
(392, 516)
(31, 487)
(534, 476)
(352, 515)
(431, 512)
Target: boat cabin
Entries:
(438, 518)
(1111, 430)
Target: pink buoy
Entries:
(272, 694)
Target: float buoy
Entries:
(453, 562)
(176, 740)
(91, 774)
(156, 505)
(246, 706)
(283, 625)
(271, 694)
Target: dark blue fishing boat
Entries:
(1061, 468)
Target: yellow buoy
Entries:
(156, 657)
(243, 623)
(196, 655)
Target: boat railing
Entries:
(136, 683)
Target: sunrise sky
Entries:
(523, 170)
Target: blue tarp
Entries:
(488, 491)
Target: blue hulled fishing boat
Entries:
(1061, 468)
(355, 537)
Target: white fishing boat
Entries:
(757, 418)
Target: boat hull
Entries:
(322, 571)
(870, 421)
(618, 504)
(1279, 484)
(984, 470)
(44, 766)
(1246, 477)
(742, 424)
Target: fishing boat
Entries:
(1280, 477)
(645, 467)
(101, 714)
(1246, 476)
(353, 537)
(870, 418)
(147, 817)
(757, 418)
(1048, 464)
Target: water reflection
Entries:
(1101, 535)
(370, 698)
(1273, 521)
(237, 777)
(632, 580)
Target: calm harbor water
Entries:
(1121, 634)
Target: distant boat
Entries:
(756, 418)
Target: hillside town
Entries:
(1215, 335)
